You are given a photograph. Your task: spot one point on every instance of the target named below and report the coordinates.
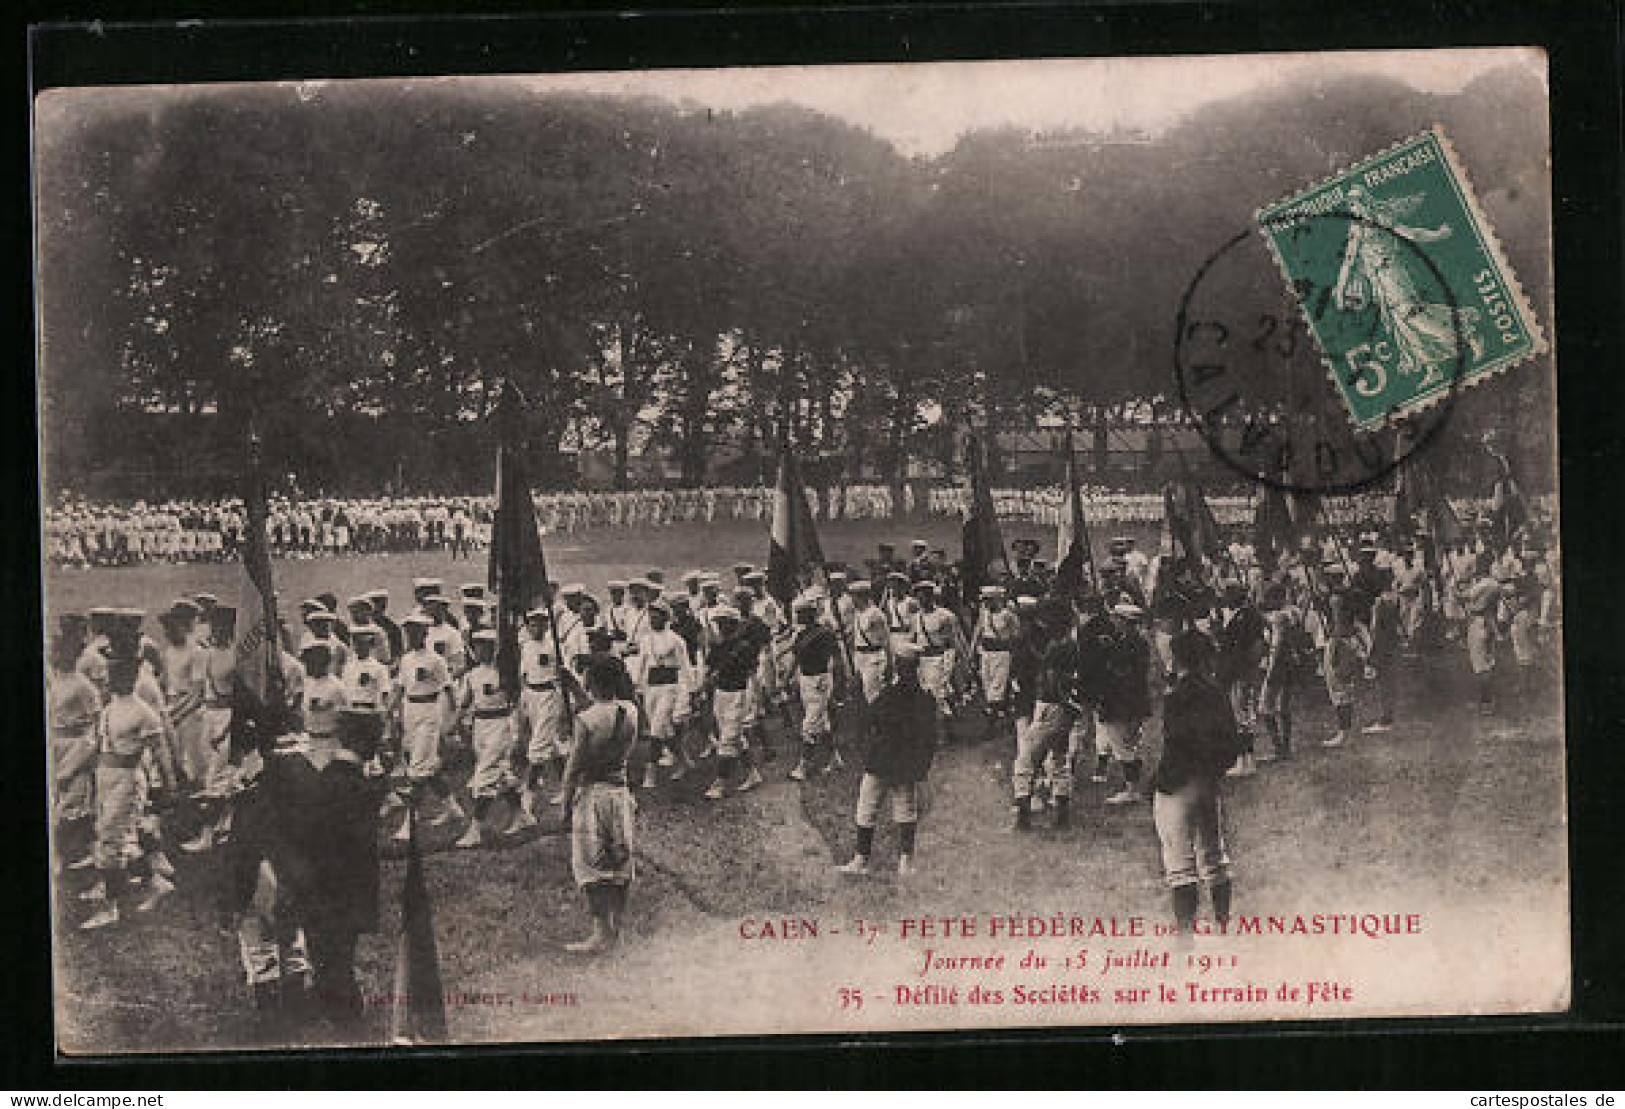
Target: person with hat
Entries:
(92, 661)
(324, 853)
(75, 709)
(445, 637)
(1124, 700)
(1288, 653)
(691, 587)
(993, 646)
(871, 642)
(423, 699)
(1523, 633)
(1047, 737)
(181, 668)
(1239, 642)
(1481, 597)
(902, 740)
(393, 641)
(710, 597)
(757, 704)
(361, 619)
(220, 681)
(731, 662)
(367, 684)
(615, 613)
(322, 695)
(471, 595)
(936, 633)
(424, 587)
(1200, 740)
(599, 806)
(128, 731)
(1341, 665)
(814, 648)
(485, 705)
(1383, 653)
(544, 712)
(634, 616)
(771, 669)
(323, 626)
(660, 670)
(919, 560)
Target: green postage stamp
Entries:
(1401, 280)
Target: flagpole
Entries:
(255, 508)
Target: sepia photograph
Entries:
(618, 555)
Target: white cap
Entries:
(725, 612)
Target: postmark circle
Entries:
(1253, 375)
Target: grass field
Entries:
(1450, 816)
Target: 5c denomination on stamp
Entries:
(1407, 295)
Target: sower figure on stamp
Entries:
(1200, 740)
(902, 740)
(599, 807)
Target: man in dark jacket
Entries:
(1124, 694)
(1200, 742)
(902, 739)
(327, 861)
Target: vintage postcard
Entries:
(1033, 544)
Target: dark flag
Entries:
(1509, 513)
(1274, 530)
(518, 569)
(1177, 539)
(981, 542)
(1202, 527)
(418, 1005)
(1075, 562)
(793, 553)
(259, 651)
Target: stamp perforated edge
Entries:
(1492, 245)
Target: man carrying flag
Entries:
(794, 557)
(531, 667)
(980, 540)
(1074, 562)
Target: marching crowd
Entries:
(160, 737)
(81, 533)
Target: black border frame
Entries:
(139, 42)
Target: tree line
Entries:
(364, 264)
